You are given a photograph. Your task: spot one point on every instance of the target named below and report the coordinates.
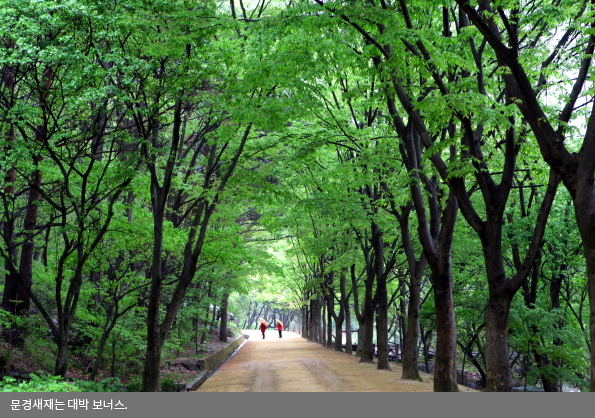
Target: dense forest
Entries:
(373, 173)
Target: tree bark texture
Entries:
(223, 320)
(410, 351)
(382, 298)
(367, 322)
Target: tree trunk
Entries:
(590, 258)
(382, 299)
(498, 374)
(152, 364)
(360, 337)
(29, 226)
(213, 319)
(14, 298)
(323, 322)
(339, 319)
(359, 317)
(315, 329)
(426, 340)
(403, 316)
(154, 337)
(100, 349)
(410, 346)
(330, 311)
(305, 322)
(61, 365)
(411, 332)
(367, 335)
(382, 327)
(445, 373)
(223, 321)
(348, 336)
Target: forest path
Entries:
(293, 364)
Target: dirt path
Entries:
(292, 364)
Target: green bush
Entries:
(38, 383)
(168, 385)
(135, 385)
(7, 320)
(111, 384)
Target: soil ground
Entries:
(293, 364)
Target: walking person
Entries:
(263, 326)
(280, 327)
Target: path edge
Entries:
(211, 363)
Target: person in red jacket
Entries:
(263, 327)
(280, 327)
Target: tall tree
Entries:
(506, 28)
(76, 149)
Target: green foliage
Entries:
(125, 348)
(41, 351)
(110, 384)
(539, 329)
(38, 383)
(321, 162)
(8, 320)
(168, 385)
(134, 385)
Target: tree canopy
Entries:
(420, 173)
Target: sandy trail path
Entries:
(293, 364)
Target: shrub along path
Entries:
(293, 364)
